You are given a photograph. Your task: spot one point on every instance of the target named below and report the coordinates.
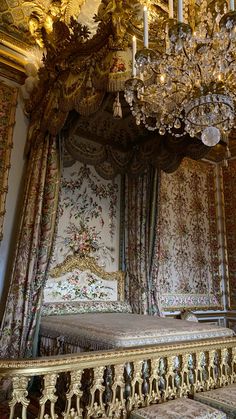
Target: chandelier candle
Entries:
(171, 9)
(191, 88)
(134, 50)
(180, 11)
(145, 26)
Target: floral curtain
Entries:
(22, 310)
(141, 242)
(8, 100)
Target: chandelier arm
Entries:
(155, 71)
(229, 45)
(213, 29)
(200, 71)
(185, 53)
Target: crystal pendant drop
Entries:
(177, 123)
(210, 136)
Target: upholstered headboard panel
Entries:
(80, 285)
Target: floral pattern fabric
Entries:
(33, 251)
(80, 286)
(229, 182)
(88, 217)
(8, 99)
(141, 242)
(189, 262)
(178, 409)
(51, 309)
(223, 398)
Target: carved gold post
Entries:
(96, 407)
(49, 391)
(185, 387)
(117, 407)
(154, 395)
(74, 390)
(224, 378)
(19, 395)
(233, 367)
(136, 398)
(211, 382)
(170, 390)
(199, 381)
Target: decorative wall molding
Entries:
(8, 100)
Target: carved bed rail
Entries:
(109, 384)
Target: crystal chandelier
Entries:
(189, 87)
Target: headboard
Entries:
(79, 285)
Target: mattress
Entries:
(123, 330)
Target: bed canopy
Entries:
(79, 89)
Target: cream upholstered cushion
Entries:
(222, 398)
(178, 409)
(122, 330)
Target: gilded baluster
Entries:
(224, 369)
(117, 406)
(49, 391)
(136, 398)
(185, 388)
(19, 395)
(170, 390)
(146, 375)
(154, 394)
(199, 380)
(233, 376)
(74, 390)
(211, 380)
(96, 407)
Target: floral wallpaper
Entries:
(229, 188)
(188, 238)
(88, 225)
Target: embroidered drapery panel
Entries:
(33, 251)
(189, 259)
(141, 242)
(229, 179)
(8, 99)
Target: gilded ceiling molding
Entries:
(13, 58)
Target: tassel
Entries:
(117, 109)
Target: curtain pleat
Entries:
(141, 242)
(33, 250)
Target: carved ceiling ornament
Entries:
(83, 74)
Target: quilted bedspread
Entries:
(122, 330)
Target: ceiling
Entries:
(16, 44)
(16, 41)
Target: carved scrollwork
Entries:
(19, 394)
(48, 394)
(130, 370)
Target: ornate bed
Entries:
(96, 316)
